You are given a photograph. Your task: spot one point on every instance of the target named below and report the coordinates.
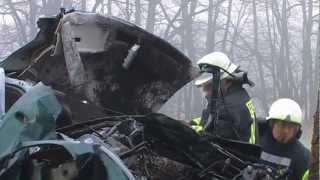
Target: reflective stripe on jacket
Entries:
(196, 125)
(305, 175)
(253, 127)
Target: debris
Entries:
(102, 107)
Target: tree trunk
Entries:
(21, 29)
(285, 36)
(127, 14)
(306, 58)
(188, 46)
(235, 35)
(226, 32)
(96, 5)
(137, 19)
(314, 158)
(83, 5)
(259, 58)
(317, 61)
(109, 6)
(170, 21)
(210, 34)
(272, 47)
(32, 20)
(211, 31)
(282, 65)
(151, 15)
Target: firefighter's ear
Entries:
(270, 123)
(299, 133)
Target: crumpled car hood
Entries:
(103, 60)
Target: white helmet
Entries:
(286, 110)
(218, 59)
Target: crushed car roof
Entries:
(105, 61)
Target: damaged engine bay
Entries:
(81, 102)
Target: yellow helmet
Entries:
(218, 59)
(286, 110)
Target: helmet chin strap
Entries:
(213, 101)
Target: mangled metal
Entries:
(31, 148)
(92, 66)
(109, 77)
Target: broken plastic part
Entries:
(130, 57)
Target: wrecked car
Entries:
(99, 119)
(31, 149)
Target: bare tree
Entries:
(137, 12)
(213, 14)
(259, 57)
(226, 31)
(33, 9)
(83, 5)
(307, 77)
(151, 15)
(97, 3)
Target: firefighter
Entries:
(279, 141)
(236, 119)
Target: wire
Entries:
(98, 120)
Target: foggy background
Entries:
(276, 41)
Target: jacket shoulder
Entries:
(302, 157)
(305, 152)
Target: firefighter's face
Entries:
(207, 90)
(284, 132)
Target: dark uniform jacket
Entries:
(293, 156)
(236, 116)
